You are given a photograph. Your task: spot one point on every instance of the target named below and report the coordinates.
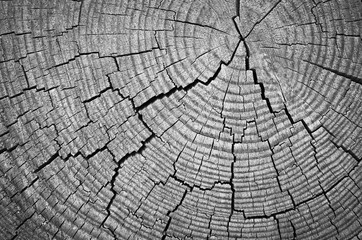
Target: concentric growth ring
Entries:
(165, 119)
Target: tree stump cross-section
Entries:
(180, 119)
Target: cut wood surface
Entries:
(180, 119)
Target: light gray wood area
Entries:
(180, 119)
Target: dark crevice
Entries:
(49, 161)
(295, 122)
(197, 81)
(295, 207)
(275, 167)
(172, 211)
(316, 22)
(80, 11)
(98, 95)
(135, 53)
(26, 187)
(262, 88)
(10, 149)
(116, 174)
(21, 224)
(198, 24)
(255, 77)
(67, 157)
(187, 87)
(191, 187)
(352, 154)
(25, 75)
(155, 98)
(247, 50)
(232, 183)
(259, 21)
(237, 7)
(350, 77)
(294, 231)
(278, 226)
(72, 60)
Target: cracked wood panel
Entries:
(167, 119)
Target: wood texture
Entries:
(180, 119)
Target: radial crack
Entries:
(171, 211)
(259, 21)
(352, 78)
(189, 86)
(116, 174)
(255, 77)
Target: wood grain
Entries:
(180, 119)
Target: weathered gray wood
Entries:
(162, 119)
